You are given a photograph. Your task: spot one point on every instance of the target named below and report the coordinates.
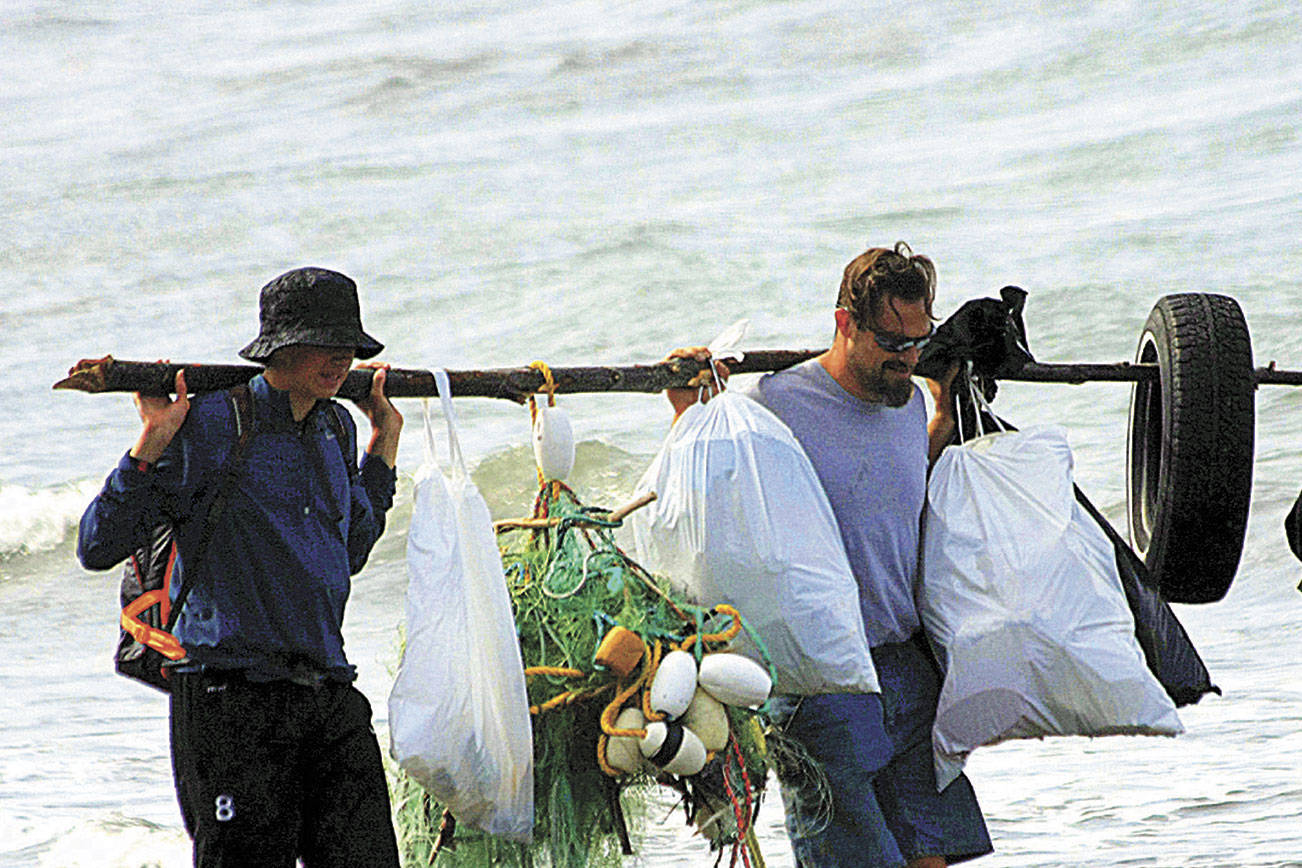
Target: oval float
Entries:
(673, 748)
(734, 680)
(674, 684)
(622, 751)
(707, 718)
(553, 443)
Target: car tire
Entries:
(1189, 453)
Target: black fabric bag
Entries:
(1169, 652)
(988, 332)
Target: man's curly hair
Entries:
(882, 272)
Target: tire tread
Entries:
(1205, 480)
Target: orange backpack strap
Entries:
(151, 637)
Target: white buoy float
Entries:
(734, 680)
(674, 684)
(673, 748)
(622, 751)
(706, 717)
(553, 443)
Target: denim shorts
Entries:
(875, 751)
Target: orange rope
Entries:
(550, 385)
(616, 705)
(647, 712)
(569, 697)
(723, 636)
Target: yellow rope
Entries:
(615, 706)
(724, 636)
(606, 767)
(533, 423)
(560, 699)
(613, 709)
(569, 697)
(646, 694)
(550, 385)
(555, 701)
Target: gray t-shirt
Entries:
(872, 462)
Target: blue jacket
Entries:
(299, 522)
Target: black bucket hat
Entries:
(310, 306)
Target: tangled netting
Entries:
(571, 585)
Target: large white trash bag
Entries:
(458, 713)
(1021, 595)
(741, 518)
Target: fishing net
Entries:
(571, 585)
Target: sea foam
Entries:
(37, 520)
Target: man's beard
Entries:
(890, 390)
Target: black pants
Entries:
(268, 773)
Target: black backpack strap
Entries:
(341, 436)
(242, 401)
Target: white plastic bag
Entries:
(741, 518)
(458, 713)
(1021, 596)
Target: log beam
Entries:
(108, 374)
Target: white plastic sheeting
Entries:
(458, 713)
(741, 518)
(1021, 596)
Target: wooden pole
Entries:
(1270, 376)
(516, 384)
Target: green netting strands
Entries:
(570, 585)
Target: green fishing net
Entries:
(570, 584)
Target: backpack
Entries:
(145, 641)
(146, 646)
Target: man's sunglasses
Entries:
(894, 343)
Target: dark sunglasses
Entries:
(893, 343)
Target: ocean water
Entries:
(586, 182)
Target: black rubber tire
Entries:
(1189, 453)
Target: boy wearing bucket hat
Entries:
(273, 752)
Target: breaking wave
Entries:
(38, 520)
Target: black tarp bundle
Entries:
(1293, 529)
(989, 333)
